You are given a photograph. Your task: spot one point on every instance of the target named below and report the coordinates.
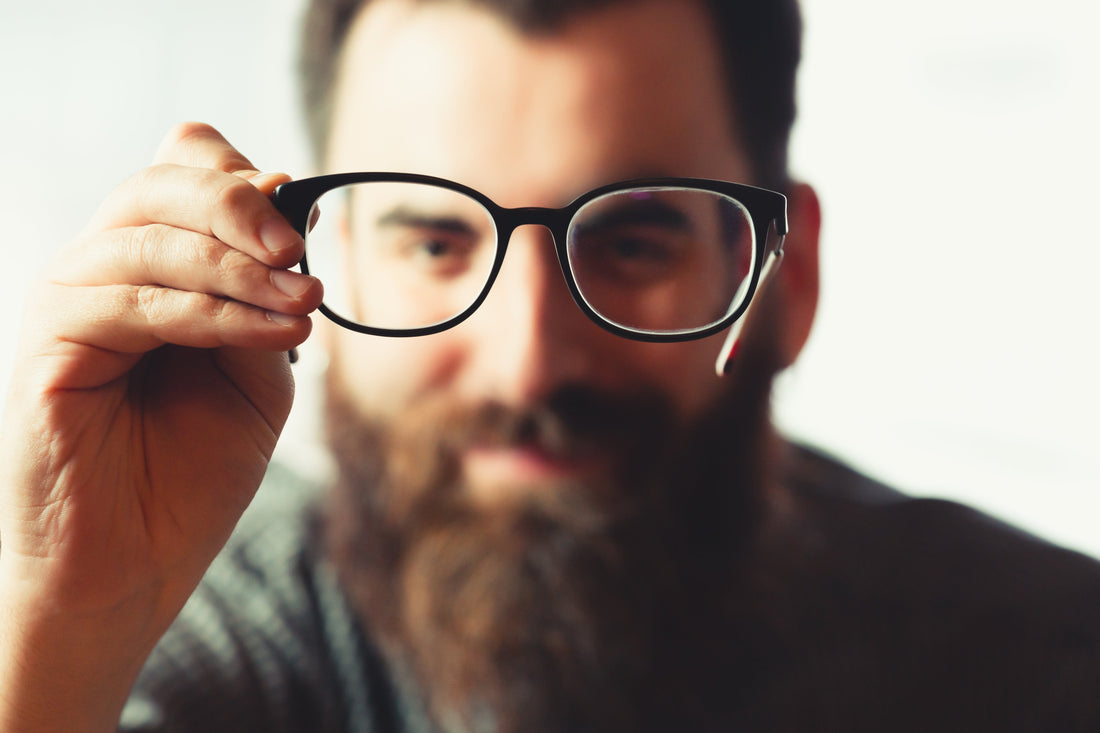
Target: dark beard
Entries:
(581, 608)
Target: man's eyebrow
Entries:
(649, 212)
(403, 216)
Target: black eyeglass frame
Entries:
(295, 200)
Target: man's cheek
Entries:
(385, 376)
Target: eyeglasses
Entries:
(658, 259)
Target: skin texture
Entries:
(152, 380)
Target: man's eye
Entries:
(435, 248)
(441, 254)
(628, 258)
(638, 249)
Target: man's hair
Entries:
(760, 42)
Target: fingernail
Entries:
(292, 284)
(277, 235)
(281, 319)
(264, 181)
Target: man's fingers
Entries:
(157, 254)
(202, 183)
(198, 145)
(208, 202)
(190, 252)
(134, 319)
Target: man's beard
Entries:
(608, 605)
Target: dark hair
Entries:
(760, 42)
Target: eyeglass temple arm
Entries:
(725, 354)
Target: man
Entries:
(536, 523)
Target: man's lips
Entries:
(496, 467)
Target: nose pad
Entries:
(531, 331)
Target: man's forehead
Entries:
(449, 87)
(608, 37)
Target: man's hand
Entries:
(150, 387)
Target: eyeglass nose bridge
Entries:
(556, 221)
(508, 220)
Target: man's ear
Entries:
(798, 278)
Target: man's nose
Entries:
(531, 337)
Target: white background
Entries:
(953, 142)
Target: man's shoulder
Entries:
(844, 510)
(929, 605)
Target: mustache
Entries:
(571, 422)
(422, 450)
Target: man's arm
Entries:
(150, 387)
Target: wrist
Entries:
(65, 671)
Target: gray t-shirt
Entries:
(896, 614)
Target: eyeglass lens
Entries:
(400, 255)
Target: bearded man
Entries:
(563, 261)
